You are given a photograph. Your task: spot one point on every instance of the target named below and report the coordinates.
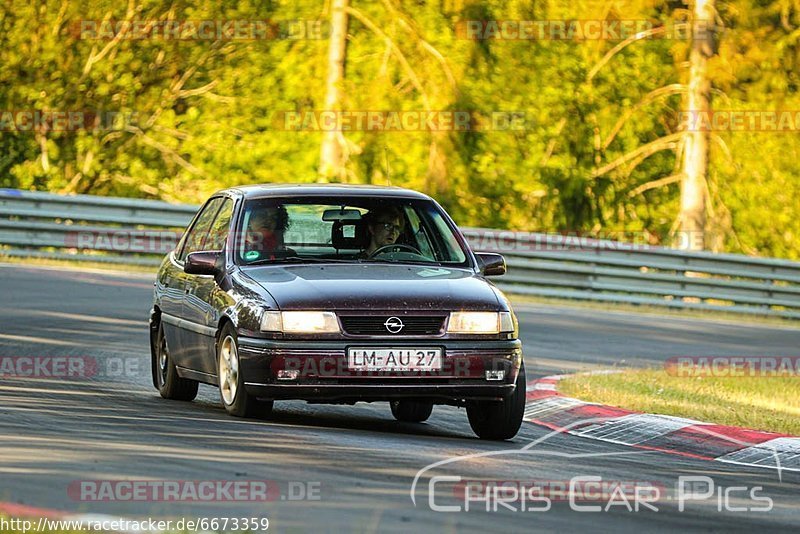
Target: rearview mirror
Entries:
(341, 214)
(491, 264)
(207, 262)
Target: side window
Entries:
(220, 227)
(197, 234)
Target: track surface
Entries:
(114, 426)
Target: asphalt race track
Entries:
(356, 463)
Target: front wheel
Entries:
(411, 411)
(165, 375)
(235, 398)
(501, 420)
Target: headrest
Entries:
(349, 235)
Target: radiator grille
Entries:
(376, 325)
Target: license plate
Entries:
(403, 359)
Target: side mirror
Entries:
(207, 262)
(491, 264)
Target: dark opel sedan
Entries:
(336, 294)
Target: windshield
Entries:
(311, 230)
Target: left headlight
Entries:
(480, 322)
(300, 322)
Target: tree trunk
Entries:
(695, 150)
(331, 165)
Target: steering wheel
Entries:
(385, 248)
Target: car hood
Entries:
(375, 287)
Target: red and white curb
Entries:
(547, 407)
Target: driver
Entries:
(384, 226)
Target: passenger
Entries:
(265, 234)
(385, 227)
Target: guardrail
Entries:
(128, 231)
(548, 265)
(89, 228)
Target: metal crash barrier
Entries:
(140, 232)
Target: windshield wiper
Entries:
(296, 259)
(402, 262)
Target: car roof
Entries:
(324, 190)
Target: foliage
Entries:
(208, 112)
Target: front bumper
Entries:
(323, 374)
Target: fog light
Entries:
(286, 374)
(495, 375)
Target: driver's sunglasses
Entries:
(391, 226)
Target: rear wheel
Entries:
(235, 398)
(167, 381)
(411, 411)
(499, 420)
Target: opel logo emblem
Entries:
(393, 325)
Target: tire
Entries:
(493, 420)
(165, 375)
(411, 411)
(234, 396)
